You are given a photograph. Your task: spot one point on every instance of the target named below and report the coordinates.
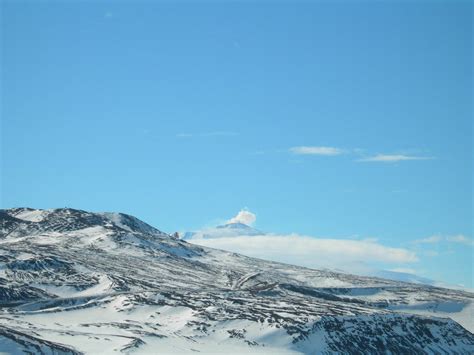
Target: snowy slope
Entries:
(72, 281)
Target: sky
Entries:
(342, 121)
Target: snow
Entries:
(102, 286)
(238, 284)
(112, 289)
(461, 313)
(116, 218)
(25, 256)
(111, 330)
(32, 215)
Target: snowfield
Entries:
(74, 282)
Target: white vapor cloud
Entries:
(350, 255)
(435, 239)
(392, 158)
(430, 240)
(311, 150)
(462, 239)
(311, 252)
(342, 254)
(244, 216)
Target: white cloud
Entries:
(462, 239)
(392, 158)
(311, 150)
(350, 255)
(430, 240)
(244, 216)
(435, 239)
(342, 254)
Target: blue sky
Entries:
(343, 120)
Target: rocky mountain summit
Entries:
(76, 282)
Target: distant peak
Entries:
(240, 227)
(226, 230)
(236, 225)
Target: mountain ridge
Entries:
(85, 281)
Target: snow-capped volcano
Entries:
(241, 227)
(222, 231)
(74, 282)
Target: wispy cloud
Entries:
(316, 150)
(392, 158)
(207, 134)
(461, 239)
(430, 240)
(435, 239)
(303, 250)
(311, 252)
(333, 151)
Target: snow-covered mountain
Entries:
(225, 230)
(74, 282)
